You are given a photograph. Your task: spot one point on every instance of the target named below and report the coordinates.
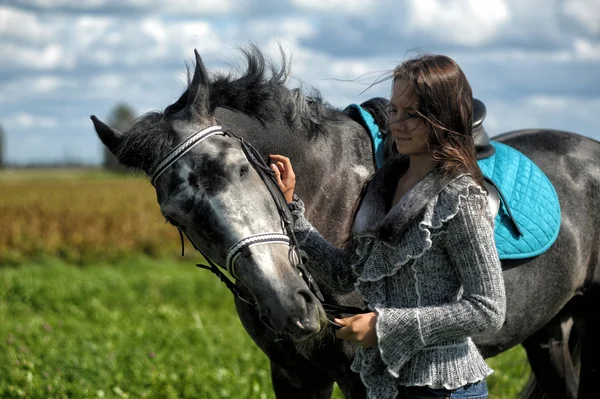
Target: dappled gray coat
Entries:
(428, 267)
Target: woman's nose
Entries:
(397, 123)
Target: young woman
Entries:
(422, 251)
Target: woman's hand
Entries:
(359, 329)
(284, 176)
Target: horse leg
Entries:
(590, 344)
(303, 374)
(310, 372)
(549, 354)
(301, 381)
(303, 370)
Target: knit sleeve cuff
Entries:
(399, 336)
(301, 225)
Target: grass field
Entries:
(140, 328)
(93, 303)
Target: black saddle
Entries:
(483, 148)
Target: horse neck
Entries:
(331, 166)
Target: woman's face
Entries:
(406, 126)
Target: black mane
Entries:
(260, 91)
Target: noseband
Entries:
(242, 247)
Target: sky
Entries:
(534, 63)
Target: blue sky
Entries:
(535, 63)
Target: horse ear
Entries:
(178, 105)
(110, 137)
(198, 94)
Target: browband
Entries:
(182, 149)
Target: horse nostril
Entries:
(306, 296)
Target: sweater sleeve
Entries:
(329, 264)
(481, 307)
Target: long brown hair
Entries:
(445, 102)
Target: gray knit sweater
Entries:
(429, 268)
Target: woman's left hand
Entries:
(359, 329)
(284, 175)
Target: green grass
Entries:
(140, 329)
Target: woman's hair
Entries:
(445, 102)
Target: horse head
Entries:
(208, 188)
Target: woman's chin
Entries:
(402, 146)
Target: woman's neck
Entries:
(419, 167)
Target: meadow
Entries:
(95, 301)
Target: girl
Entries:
(422, 251)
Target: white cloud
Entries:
(29, 120)
(88, 30)
(32, 88)
(50, 56)
(46, 83)
(297, 27)
(189, 35)
(466, 22)
(586, 50)
(194, 6)
(584, 12)
(355, 7)
(25, 26)
(163, 7)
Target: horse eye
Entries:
(243, 171)
(170, 221)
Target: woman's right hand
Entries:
(284, 176)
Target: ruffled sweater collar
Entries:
(375, 218)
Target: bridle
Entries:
(243, 247)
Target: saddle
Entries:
(483, 148)
(522, 199)
(372, 115)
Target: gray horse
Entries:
(207, 187)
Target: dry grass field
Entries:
(80, 216)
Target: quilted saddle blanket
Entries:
(528, 221)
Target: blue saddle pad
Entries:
(374, 132)
(532, 201)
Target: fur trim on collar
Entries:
(375, 219)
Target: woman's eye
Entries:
(243, 171)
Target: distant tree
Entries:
(1, 147)
(120, 118)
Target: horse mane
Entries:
(261, 91)
(149, 134)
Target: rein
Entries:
(243, 247)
